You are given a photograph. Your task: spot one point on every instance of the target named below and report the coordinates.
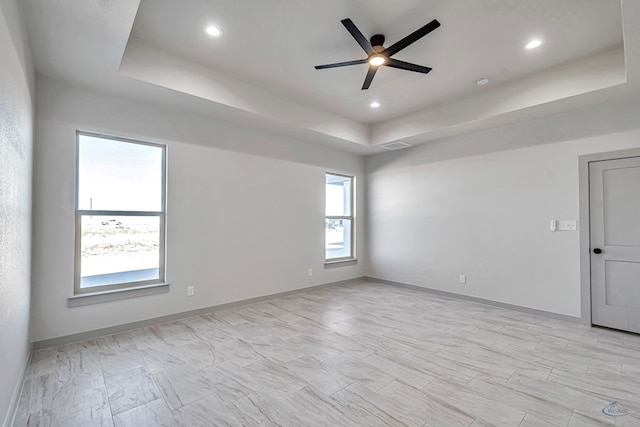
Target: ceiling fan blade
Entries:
(341, 64)
(411, 38)
(356, 34)
(395, 63)
(369, 78)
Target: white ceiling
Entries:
(276, 43)
(261, 70)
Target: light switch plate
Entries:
(567, 225)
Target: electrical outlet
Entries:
(310, 272)
(463, 279)
(191, 290)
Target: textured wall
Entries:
(16, 128)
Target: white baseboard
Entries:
(68, 339)
(480, 300)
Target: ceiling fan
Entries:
(378, 55)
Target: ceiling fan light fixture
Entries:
(377, 60)
(212, 31)
(534, 43)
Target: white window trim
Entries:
(351, 258)
(120, 287)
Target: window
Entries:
(339, 222)
(120, 213)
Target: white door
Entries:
(615, 243)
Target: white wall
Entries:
(244, 221)
(434, 214)
(16, 130)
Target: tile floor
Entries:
(355, 355)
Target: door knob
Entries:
(597, 251)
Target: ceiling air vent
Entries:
(398, 145)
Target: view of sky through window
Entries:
(115, 175)
(335, 200)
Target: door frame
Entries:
(585, 223)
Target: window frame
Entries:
(79, 213)
(351, 217)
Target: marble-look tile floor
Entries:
(362, 354)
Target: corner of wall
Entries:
(17, 101)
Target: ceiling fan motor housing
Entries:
(377, 41)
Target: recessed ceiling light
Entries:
(374, 104)
(481, 81)
(212, 31)
(534, 44)
(377, 60)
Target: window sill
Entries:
(115, 295)
(340, 263)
